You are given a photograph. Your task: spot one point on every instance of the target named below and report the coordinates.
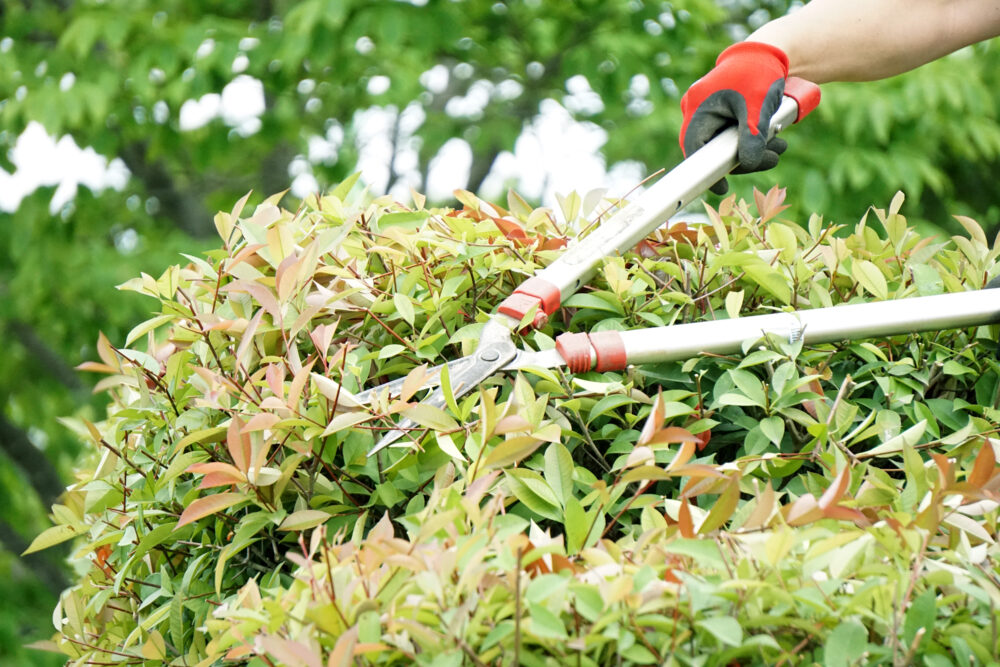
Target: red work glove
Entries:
(744, 89)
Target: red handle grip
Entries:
(806, 93)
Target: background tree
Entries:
(127, 78)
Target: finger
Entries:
(750, 151)
(721, 187)
(769, 158)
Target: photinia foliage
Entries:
(832, 504)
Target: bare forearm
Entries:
(864, 40)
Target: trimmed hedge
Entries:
(831, 504)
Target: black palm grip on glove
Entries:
(744, 89)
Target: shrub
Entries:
(797, 504)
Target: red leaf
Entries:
(260, 421)
(947, 473)
(771, 204)
(684, 520)
(646, 249)
(275, 375)
(207, 506)
(654, 420)
(214, 480)
(804, 510)
(553, 243)
(670, 435)
(215, 467)
(703, 439)
(846, 514)
(984, 466)
(836, 489)
(512, 230)
(238, 444)
(683, 455)
(679, 231)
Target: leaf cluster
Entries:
(831, 503)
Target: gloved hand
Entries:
(744, 89)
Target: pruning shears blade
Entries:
(532, 359)
(494, 352)
(432, 378)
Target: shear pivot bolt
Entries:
(489, 355)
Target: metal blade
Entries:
(529, 359)
(432, 379)
(495, 350)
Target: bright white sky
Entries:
(554, 154)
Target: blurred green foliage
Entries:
(115, 74)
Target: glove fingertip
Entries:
(720, 188)
(777, 145)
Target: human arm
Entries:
(865, 40)
(826, 40)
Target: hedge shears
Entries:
(540, 296)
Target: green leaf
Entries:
(894, 446)
(870, 278)
(608, 404)
(703, 551)
(511, 451)
(845, 645)
(529, 487)
(545, 624)
(733, 398)
(734, 301)
(147, 326)
(749, 384)
(559, 471)
(724, 628)
(770, 279)
(430, 417)
(404, 307)
(303, 520)
(773, 428)
(344, 187)
(723, 508)
(53, 536)
(921, 615)
(927, 278)
(592, 301)
(576, 522)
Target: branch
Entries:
(42, 566)
(274, 170)
(481, 168)
(37, 468)
(39, 351)
(186, 210)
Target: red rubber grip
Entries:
(806, 93)
(578, 349)
(532, 292)
(575, 349)
(610, 351)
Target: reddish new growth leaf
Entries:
(678, 232)
(806, 509)
(208, 505)
(238, 444)
(984, 467)
(684, 522)
(505, 221)
(217, 474)
(771, 204)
